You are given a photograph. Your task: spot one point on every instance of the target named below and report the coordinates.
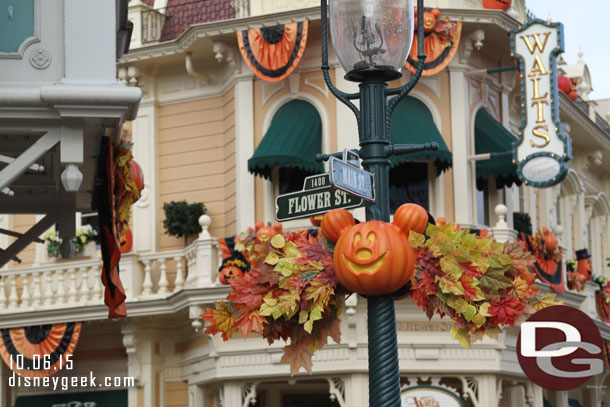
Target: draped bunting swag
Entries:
(603, 308)
(439, 48)
(607, 354)
(34, 343)
(273, 53)
(114, 293)
(547, 270)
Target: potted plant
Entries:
(84, 242)
(522, 223)
(182, 219)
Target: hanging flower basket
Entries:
(84, 243)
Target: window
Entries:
(409, 184)
(291, 179)
(482, 197)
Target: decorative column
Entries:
(196, 395)
(202, 269)
(144, 136)
(244, 149)
(357, 390)
(489, 390)
(231, 393)
(133, 364)
(460, 133)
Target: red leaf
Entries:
(252, 301)
(504, 310)
(470, 269)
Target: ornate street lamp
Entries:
(372, 39)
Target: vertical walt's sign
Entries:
(543, 150)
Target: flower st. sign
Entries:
(543, 150)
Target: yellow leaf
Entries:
(461, 305)
(416, 240)
(483, 309)
(483, 264)
(278, 241)
(547, 300)
(462, 336)
(272, 259)
(270, 301)
(303, 316)
(308, 326)
(291, 250)
(478, 320)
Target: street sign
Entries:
(351, 179)
(318, 196)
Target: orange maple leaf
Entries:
(221, 318)
(250, 322)
(333, 330)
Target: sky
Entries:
(585, 26)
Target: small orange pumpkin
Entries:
(441, 221)
(497, 4)
(550, 242)
(411, 217)
(228, 273)
(136, 174)
(265, 233)
(373, 258)
(127, 241)
(335, 222)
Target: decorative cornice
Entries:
(219, 28)
(568, 108)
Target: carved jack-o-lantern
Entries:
(584, 263)
(430, 18)
(497, 4)
(265, 233)
(371, 258)
(232, 267)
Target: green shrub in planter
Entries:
(182, 218)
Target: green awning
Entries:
(293, 139)
(491, 137)
(412, 123)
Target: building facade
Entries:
(210, 130)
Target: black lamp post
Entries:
(372, 39)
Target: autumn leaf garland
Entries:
(289, 293)
(479, 283)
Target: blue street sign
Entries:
(351, 179)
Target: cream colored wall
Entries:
(197, 161)
(21, 224)
(176, 394)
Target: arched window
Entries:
(290, 145)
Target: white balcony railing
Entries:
(77, 284)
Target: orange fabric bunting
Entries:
(273, 53)
(440, 47)
(28, 351)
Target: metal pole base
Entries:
(384, 372)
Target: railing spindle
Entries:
(61, 289)
(163, 283)
(179, 281)
(37, 295)
(84, 285)
(147, 284)
(26, 297)
(12, 297)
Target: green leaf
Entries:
(495, 280)
(308, 276)
(470, 312)
(308, 326)
(285, 267)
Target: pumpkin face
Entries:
(228, 273)
(373, 258)
(265, 233)
(497, 4)
(429, 22)
(126, 241)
